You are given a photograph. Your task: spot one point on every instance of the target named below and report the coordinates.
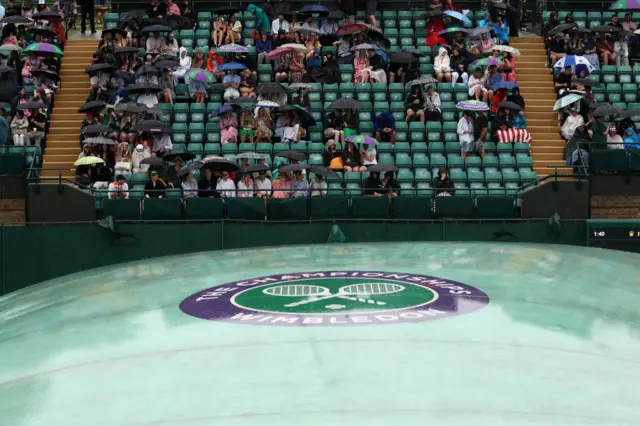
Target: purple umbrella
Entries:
(358, 139)
(473, 106)
(233, 48)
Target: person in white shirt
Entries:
(161, 142)
(245, 186)
(329, 26)
(226, 187)
(155, 45)
(368, 155)
(570, 125)
(148, 99)
(138, 155)
(262, 185)
(477, 88)
(465, 134)
(318, 186)
(119, 189)
(280, 24)
(614, 140)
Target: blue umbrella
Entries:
(232, 66)
(221, 110)
(457, 15)
(314, 8)
(504, 85)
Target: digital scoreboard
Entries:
(614, 235)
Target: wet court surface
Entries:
(385, 334)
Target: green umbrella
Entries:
(566, 101)
(453, 30)
(43, 49)
(491, 60)
(201, 75)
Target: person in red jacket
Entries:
(434, 26)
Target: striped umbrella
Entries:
(43, 49)
(200, 75)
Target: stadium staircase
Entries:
(64, 131)
(536, 86)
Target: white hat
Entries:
(139, 147)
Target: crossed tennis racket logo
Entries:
(315, 293)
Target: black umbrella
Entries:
(347, 103)
(270, 88)
(99, 67)
(480, 30)
(153, 161)
(134, 14)
(242, 101)
(602, 110)
(140, 88)
(510, 105)
(127, 49)
(5, 105)
(415, 52)
(184, 155)
(152, 126)
(605, 29)
(254, 168)
(629, 113)
(31, 105)
(156, 28)
(432, 14)
(6, 69)
(167, 64)
(502, 6)
(96, 129)
(586, 82)
(225, 10)
(99, 140)
(16, 20)
(323, 171)
(130, 107)
(147, 69)
(46, 31)
(292, 155)
(401, 57)
(46, 73)
(381, 168)
(335, 14)
(49, 16)
(294, 168)
(562, 28)
(91, 105)
(179, 22)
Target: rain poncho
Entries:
(262, 20)
(442, 63)
(631, 139)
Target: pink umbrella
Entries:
(275, 53)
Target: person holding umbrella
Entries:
(390, 184)
(228, 127)
(155, 45)
(517, 120)
(19, 126)
(161, 143)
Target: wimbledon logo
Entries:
(335, 298)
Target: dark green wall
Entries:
(36, 253)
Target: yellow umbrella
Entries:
(87, 161)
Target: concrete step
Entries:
(541, 122)
(57, 150)
(66, 144)
(64, 158)
(539, 150)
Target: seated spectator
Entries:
(161, 143)
(183, 67)
(563, 80)
(361, 67)
(373, 185)
(225, 186)
(297, 69)
(486, 44)
(318, 186)
(614, 140)
(171, 45)
(119, 189)
(231, 84)
(207, 185)
(557, 48)
(299, 185)
(331, 157)
(292, 131)
(368, 155)
(199, 61)
(509, 68)
(494, 77)
(314, 61)
(138, 155)
(441, 65)
(351, 159)
(155, 186)
(350, 123)
(443, 183)
(621, 51)
(477, 86)
(282, 186)
(245, 186)
(605, 49)
(499, 121)
(385, 127)
(228, 128)
(263, 126)
(377, 65)
(631, 139)
(615, 21)
(517, 120)
(279, 24)
(281, 67)
(391, 185)
(480, 131)
(415, 104)
(628, 24)
(590, 51)
(500, 96)
(123, 164)
(37, 126)
(301, 97)
(155, 46)
(263, 47)
(19, 126)
(158, 9)
(168, 87)
(189, 186)
(262, 185)
(248, 126)
(516, 97)
(148, 99)
(219, 31)
(458, 75)
(432, 103)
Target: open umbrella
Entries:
(232, 48)
(298, 86)
(156, 29)
(4, 69)
(457, 15)
(130, 107)
(351, 28)
(432, 14)
(314, 8)
(586, 82)
(99, 140)
(362, 139)
(147, 69)
(99, 67)
(624, 5)
(215, 163)
(605, 29)
(305, 117)
(245, 102)
(31, 105)
(480, 30)
(201, 75)
(346, 103)
(10, 48)
(573, 60)
(504, 85)
(323, 171)
(225, 10)
(87, 161)
(629, 113)
(166, 64)
(270, 89)
(605, 109)
(232, 66)
(251, 156)
(453, 30)
(422, 81)
(141, 88)
(510, 105)
(47, 16)
(222, 110)
(179, 22)
(309, 30)
(96, 129)
(88, 106)
(254, 168)
(45, 31)
(45, 73)
(133, 14)
(472, 106)
(17, 20)
(363, 46)
(114, 31)
(382, 168)
(296, 47)
(127, 49)
(415, 52)
(566, 101)
(402, 57)
(298, 167)
(504, 48)
(267, 104)
(152, 126)
(184, 155)
(153, 161)
(486, 62)
(559, 29)
(292, 155)
(43, 49)
(275, 53)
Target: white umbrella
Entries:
(566, 101)
(295, 47)
(10, 48)
(503, 48)
(250, 156)
(267, 104)
(363, 46)
(572, 61)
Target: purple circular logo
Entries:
(335, 298)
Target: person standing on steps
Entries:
(87, 7)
